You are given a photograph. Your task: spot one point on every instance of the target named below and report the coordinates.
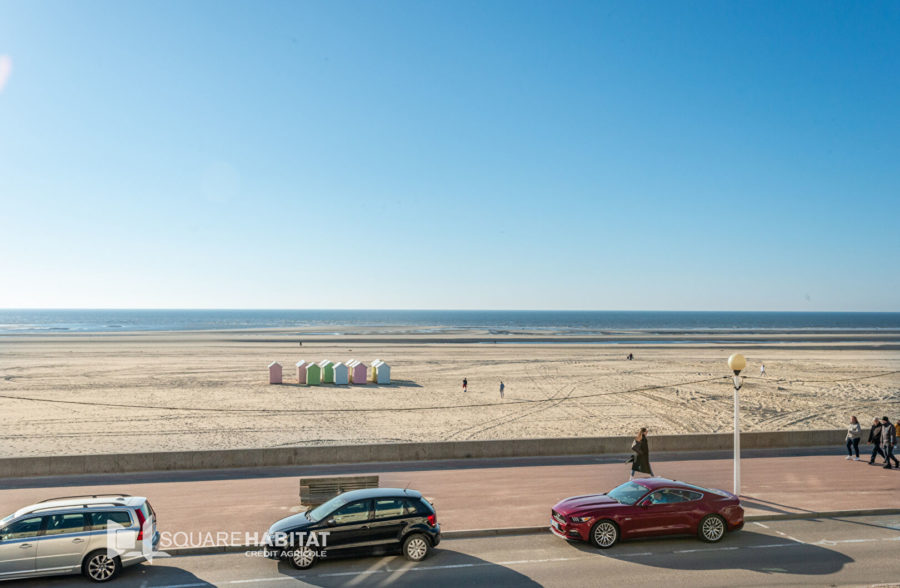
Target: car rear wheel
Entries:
(101, 566)
(416, 547)
(604, 534)
(712, 528)
(302, 558)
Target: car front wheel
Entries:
(416, 547)
(712, 528)
(604, 534)
(302, 558)
(100, 566)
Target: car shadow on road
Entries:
(138, 576)
(441, 568)
(743, 550)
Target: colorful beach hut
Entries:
(301, 372)
(327, 371)
(381, 372)
(373, 373)
(341, 374)
(313, 374)
(274, 373)
(357, 371)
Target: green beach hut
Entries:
(313, 374)
(327, 371)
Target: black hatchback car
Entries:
(378, 519)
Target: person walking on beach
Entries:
(888, 438)
(853, 435)
(875, 440)
(501, 388)
(640, 461)
(465, 385)
(762, 371)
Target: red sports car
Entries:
(647, 507)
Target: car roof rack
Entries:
(83, 496)
(96, 504)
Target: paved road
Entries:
(858, 551)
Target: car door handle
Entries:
(364, 528)
(25, 546)
(78, 540)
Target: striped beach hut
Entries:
(301, 372)
(313, 374)
(341, 374)
(327, 371)
(357, 371)
(380, 372)
(274, 373)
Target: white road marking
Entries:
(761, 525)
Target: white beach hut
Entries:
(327, 368)
(341, 374)
(301, 372)
(274, 373)
(382, 372)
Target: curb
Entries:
(510, 531)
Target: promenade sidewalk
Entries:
(482, 494)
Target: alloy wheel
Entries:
(605, 534)
(416, 548)
(304, 557)
(713, 528)
(101, 567)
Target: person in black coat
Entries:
(875, 439)
(640, 461)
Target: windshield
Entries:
(323, 510)
(628, 493)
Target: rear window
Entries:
(710, 490)
(147, 510)
(420, 506)
(99, 520)
(61, 524)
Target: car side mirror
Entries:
(644, 503)
(331, 522)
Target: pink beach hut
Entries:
(274, 373)
(357, 371)
(341, 374)
(301, 372)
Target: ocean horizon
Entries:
(431, 321)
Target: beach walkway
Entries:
(486, 493)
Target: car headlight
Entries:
(579, 519)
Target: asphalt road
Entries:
(857, 551)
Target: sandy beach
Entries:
(104, 393)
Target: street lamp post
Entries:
(737, 363)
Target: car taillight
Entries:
(141, 519)
(432, 520)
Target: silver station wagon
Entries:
(95, 535)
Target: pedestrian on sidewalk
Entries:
(853, 435)
(501, 388)
(875, 440)
(465, 385)
(888, 438)
(640, 461)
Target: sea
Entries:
(436, 321)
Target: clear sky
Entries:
(520, 154)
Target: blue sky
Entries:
(521, 155)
